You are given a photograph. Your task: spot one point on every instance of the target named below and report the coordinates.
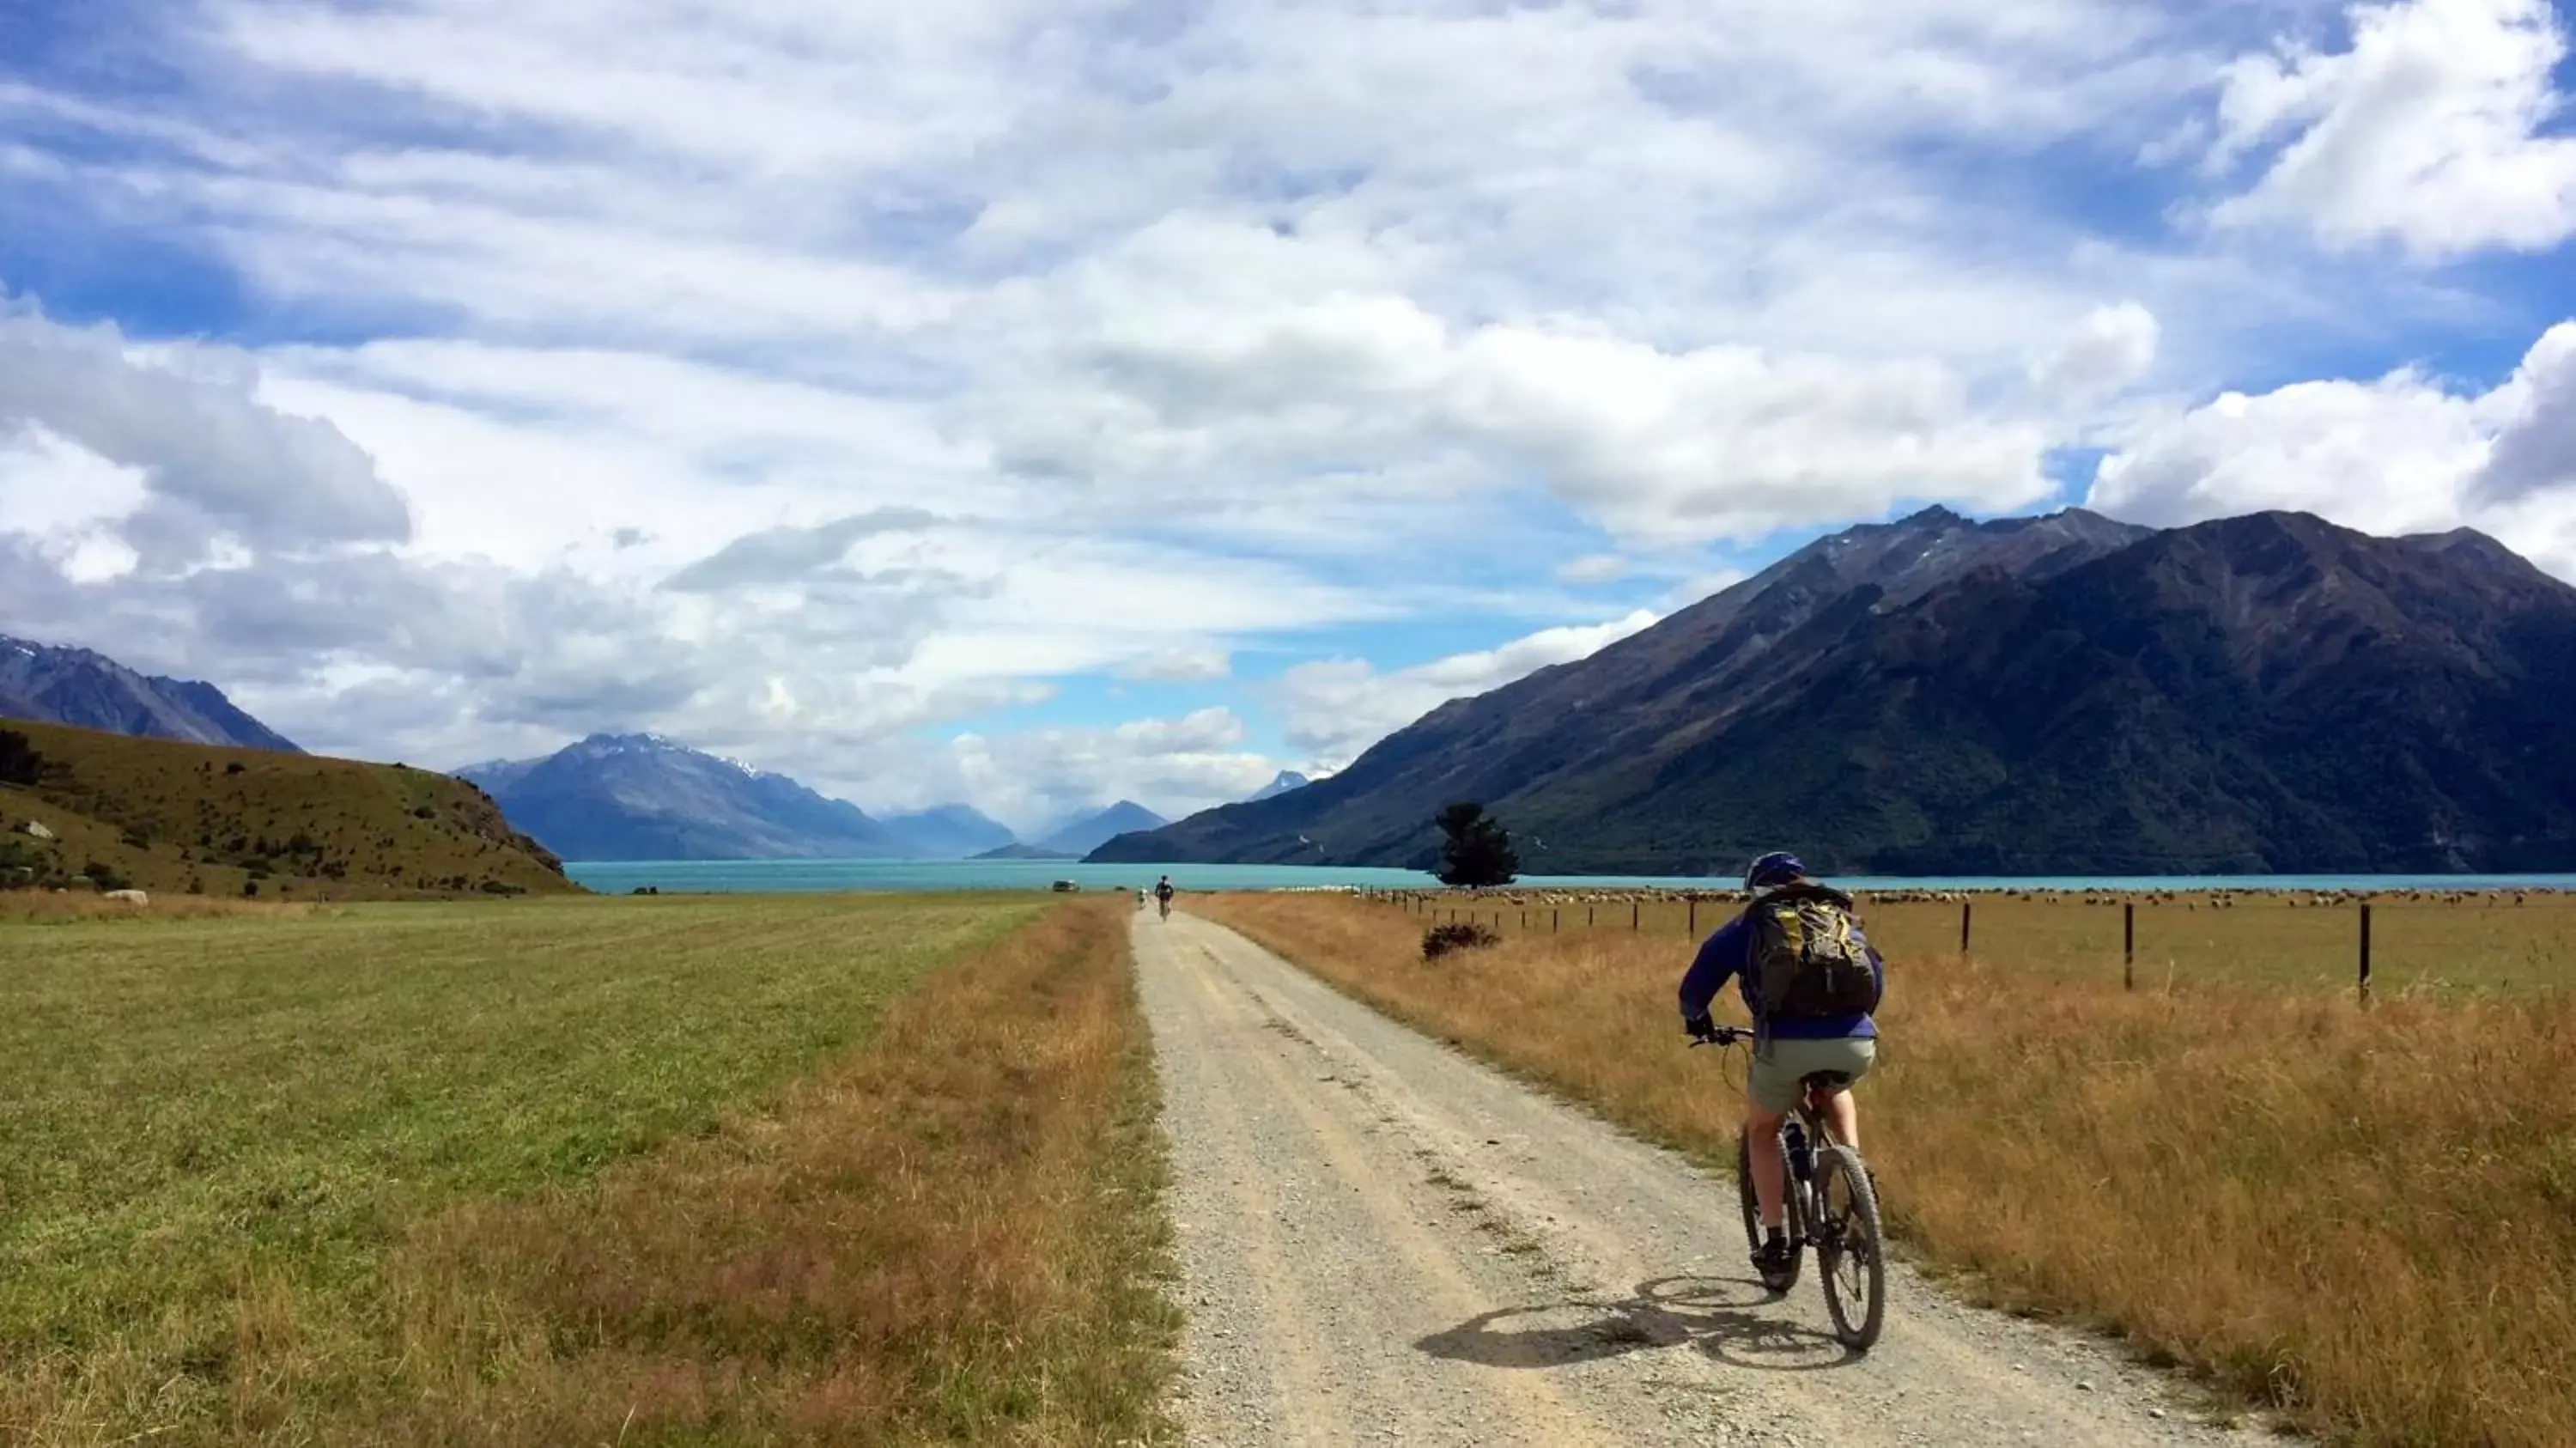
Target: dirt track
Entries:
(1383, 1241)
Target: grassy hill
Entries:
(189, 818)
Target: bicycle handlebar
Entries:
(1723, 1036)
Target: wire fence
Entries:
(2409, 938)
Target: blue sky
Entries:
(1035, 402)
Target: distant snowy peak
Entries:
(602, 746)
(89, 690)
(1288, 779)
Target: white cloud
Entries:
(787, 555)
(2111, 348)
(2434, 130)
(214, 462)
(1035, 778)
(1334, 709)
(1219, 348)
(1594, 568)
(1180, 665)
(2402, 454)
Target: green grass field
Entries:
(217, 1130)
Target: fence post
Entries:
(2128, 945)
(1587, 915)
(1555, 920)
(1967, 910)
(2365, 952)
(1694, 917)
(1632, 914)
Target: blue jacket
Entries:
(1729, 953)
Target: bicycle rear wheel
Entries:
(1851, 1254)
(1775, 1281)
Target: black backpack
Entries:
(1809, 956)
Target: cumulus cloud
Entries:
(1334, 709)
(1170, 370)
(2434, 130)
(2535, 444)
(212, 459)
(1037, 777)
(2400, 454)
(2111, 348)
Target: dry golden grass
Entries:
(953, 1238)
(2364, 1218)
(2496, 939)
(872, 1170)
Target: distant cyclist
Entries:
(1810, 980)
(1163, 895)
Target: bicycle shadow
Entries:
(1712, 1315)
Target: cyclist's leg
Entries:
(1844, 1117)
(1770, 1173)
(1769, 1093)
(1856, 1056)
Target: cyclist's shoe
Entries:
(1774, 1258)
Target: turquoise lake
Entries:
(765, 876)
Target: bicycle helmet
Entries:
(1772, 871)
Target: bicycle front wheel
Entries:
(1850, 1252)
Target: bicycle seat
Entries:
(1827, 1081)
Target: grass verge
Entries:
(701, 1171)
(2366, 1219)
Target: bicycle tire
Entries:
(1851, 1230)
(1777, 1282)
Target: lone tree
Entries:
(1478, 851)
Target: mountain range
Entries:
(2065, 694)
(948, 832)
(88, 690)
(644, 797)
(1079, 837)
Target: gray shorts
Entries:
(1779, 1065)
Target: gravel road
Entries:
(1383, 1241)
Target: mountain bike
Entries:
(1832, 1206)
(1165, 902)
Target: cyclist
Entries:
(1807, 1017)
(1163, 895)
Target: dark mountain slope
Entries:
(89, 690)
(2261, 693)
(1656, 690)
